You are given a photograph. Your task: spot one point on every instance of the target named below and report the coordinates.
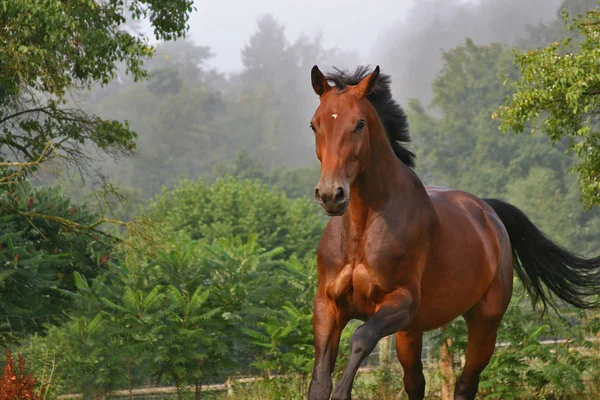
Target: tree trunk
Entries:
(447, 370)
(200, 381)
(177, 386)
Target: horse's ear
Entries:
(367, 84)
(319, 83)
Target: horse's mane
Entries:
(391, 113)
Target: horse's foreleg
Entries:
(327, 329)
(394, 314)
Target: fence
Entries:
(370, 364)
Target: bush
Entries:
(241, 208)
(16, 384)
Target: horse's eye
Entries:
(361, 124)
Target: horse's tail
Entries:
(538, 261)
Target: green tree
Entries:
(54, 49)
(180, 319)
(241, 208)
(557, 93)
(295, 182)
(40, 256)
(462, 148)
(413, 50)
(262, 111)
(274, 105)
(528, 364)
(194, 114)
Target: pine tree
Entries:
(38, 258)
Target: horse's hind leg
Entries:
(483, 321)
(480, 347)
(408, 350)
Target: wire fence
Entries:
(371, 363)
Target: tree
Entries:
(275, 105)
(52, 49)
(180, 113)
(463, 148)
(39, 257)
(295, 182)
(240, 208)
(193, 121)
(181, 318)
(558, 93)
(413, 49)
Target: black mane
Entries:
(391, 113)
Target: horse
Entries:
(405, 258)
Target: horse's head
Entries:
(341, 126)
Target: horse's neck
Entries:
(385, 180)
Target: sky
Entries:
(226, 25)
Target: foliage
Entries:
(181, 319)
(296, 182)
(53, 47)
(286, 336)
(557, 93)
(16, 384)
(463, 149)
(263, 110)
(39, 257)
(525, 367)
(241, 208)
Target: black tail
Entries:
(537, 261)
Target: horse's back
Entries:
(462, 210)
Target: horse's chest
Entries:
(356, 289)
(360, 272)
(363, 281)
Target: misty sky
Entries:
(226, 25)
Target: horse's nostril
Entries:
(340, 196)
(317, 194)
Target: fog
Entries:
(414, 54)
(404, 37)
(241, 80)
(354, 25)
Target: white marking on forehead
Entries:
(334, 116)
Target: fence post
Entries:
(447, 369)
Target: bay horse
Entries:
(405, 258)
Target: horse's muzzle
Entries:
(334, 201)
